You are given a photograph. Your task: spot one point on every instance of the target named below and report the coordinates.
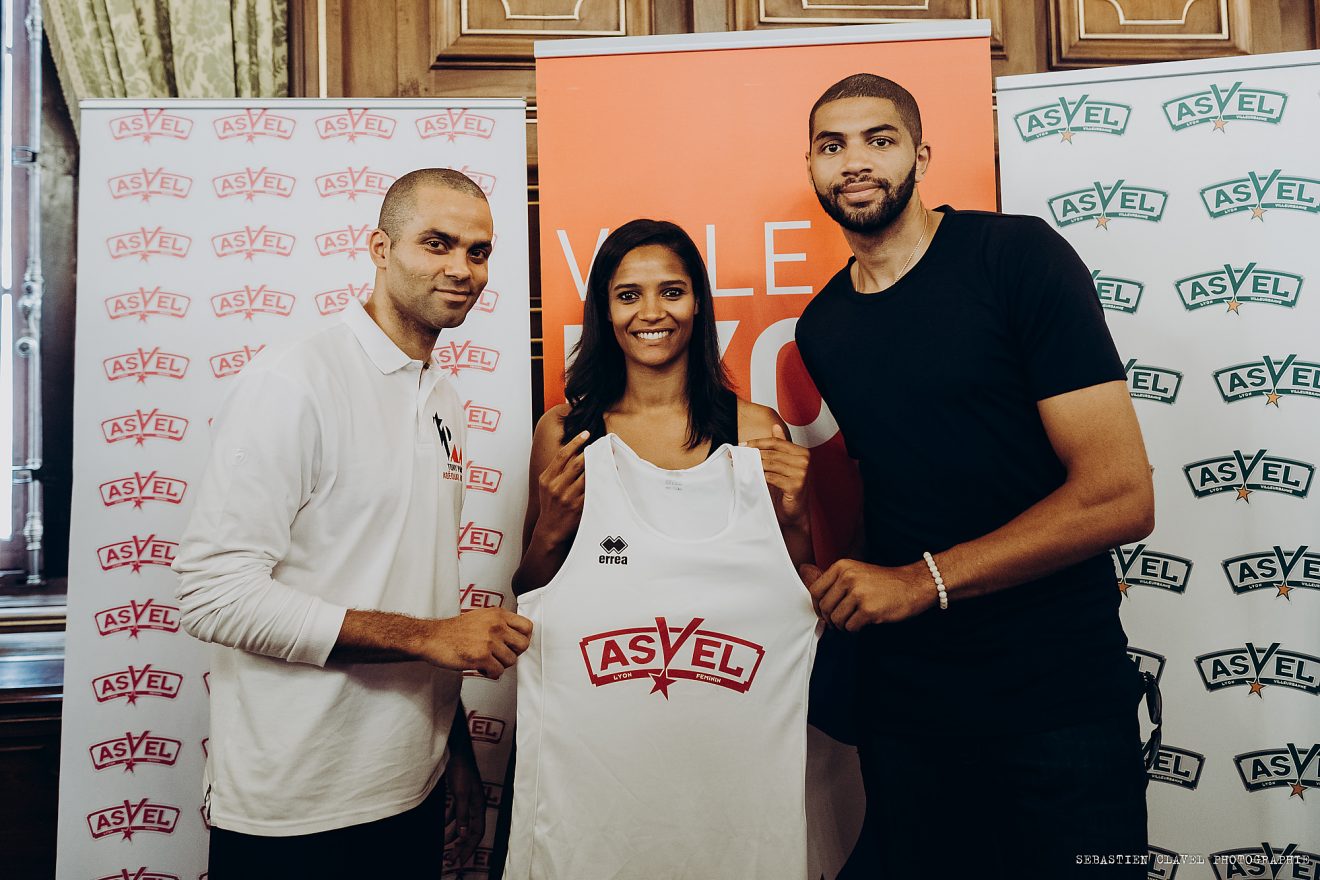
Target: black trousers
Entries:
(1040, 806)
(409, 844)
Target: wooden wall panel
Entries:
(500, 33)
(1096, 33)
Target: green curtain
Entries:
(169, 48)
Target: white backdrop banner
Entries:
(1192, 191)
(208, 231)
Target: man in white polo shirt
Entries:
(322, 561)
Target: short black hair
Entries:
(401, 197)
(868, 85)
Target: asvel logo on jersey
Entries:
(1147, 661)
(147, 183)
(1117, 294)
(147, 124)
(1280, 767)
(145, 243)
(453, 452)
(1175, 766)
(453, 123)
(352, 124)
(666, 654)
(456, 357)
(140, 488)
(1287, 862)
(1238, 473)
(1270, 379)
(1103, 203)
(1256, 193)
(1256, 667)
(1149, 568)
(482, 418)
(128, 751)
(471, 598)
(477, 539)
(353, 182)
(1146, 382)
(1274, 569)
(613, 545)
(137, 552)
(140, 426)
(231, 363)
(484, 479)
(252, 182)
(250, 241)
(129, 818)
(484, 728)
(487, 301)
(143, 364)
(131, 683)
(334, 301)
(1222, 106)
(1066, 119)
(251, 301)
(1232, 287)
(140, 874)
(137, 616)
(252, 124)
(351, 240)
(143, 304)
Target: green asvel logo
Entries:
(1233, 287)
(1103, 203)
(1256, 193)
(1258, 666)
(1066, 119)
(1222, 106)
(1236, 472)
(1117, 294)
(1149, 568)
(1274, 569)
(1269, 378)
(1147, 382)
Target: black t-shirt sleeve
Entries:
(1053, 310)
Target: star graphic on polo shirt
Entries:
(1242, 493)
(1256, 688)
(1258, 213)
(1298, 789)
(1234, 305)
(1272, 398)
(662, 682)
(1102, 221)
(1219, 125)
(1284, 590)
(1067, 135)
(1123, 587)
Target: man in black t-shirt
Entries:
(966, 359)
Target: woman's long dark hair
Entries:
(597, 377)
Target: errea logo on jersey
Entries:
(1232, 287)
(1256, 667)
(143, 304)
(352, 124)
(1102, 203)
(452, 124)
(1117, 294)
(147, 183)
(252, 124)
(1287, 862)
(1149, 568)
(1283, 766)
(1237, 473)
(1066, 118)
(453, 452)
(1274, 569)
(1146, 382)
(1221, 106)
(666, 654)
(128, 751)
(613, 545)
(129, 818)
(1258, 192)
(1270, 379)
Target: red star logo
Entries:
(137, 567)
(1256, 688)
(146, 197)
(1242, 493)
(1298, 790)
(142, 378)
(132, 698)
(142, 318)
(137, 503)
(662, 683)
(146, 258)
(251, 197)
(133, 632)
(1284, 590)
(128, 834)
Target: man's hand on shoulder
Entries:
(487, 640)
(850, 595)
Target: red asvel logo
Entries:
(667, 653)
(140, 874)
(250, 241)
(143, 487)
(145, 184)
(484, 479)
(332, 301)
(251, 124)
(145, 243)
(140, 426)
(475, 539)
(135, 617)
(471, 599)
(128, 818)
(144, 303)
(453, 123)
(128, 750)
(481, 179)
(142, 363)
(252, 300)
(352, 124)
(149, 124)
(487, 301)
(484, 728)
(137, 552)
(482, 418)
(353, 182)
(252, 182)
(131, 683)
(454, 357)
(230, 363)
(351, 240)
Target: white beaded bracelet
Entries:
(939, 580)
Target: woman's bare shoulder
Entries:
(755, 420)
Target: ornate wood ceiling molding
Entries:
(1088, 33)
(478, 34)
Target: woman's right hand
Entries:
(561, 488)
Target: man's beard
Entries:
(874, 218)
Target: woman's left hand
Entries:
(785, 465)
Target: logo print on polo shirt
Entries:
(613, 547)
(1280, 767)
(1255, 861)
(1257, 667)
(453, 452)
(1274, 569)
(666, 654)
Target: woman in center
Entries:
(662, 702)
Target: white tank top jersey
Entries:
(662, 703)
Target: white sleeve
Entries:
(265, 455)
